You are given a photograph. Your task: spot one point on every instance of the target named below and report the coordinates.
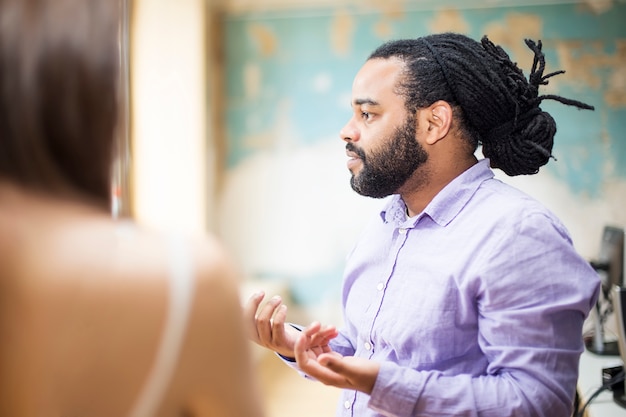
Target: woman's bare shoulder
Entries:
(212, 265)
(99, 288)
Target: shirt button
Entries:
(380, 286)
(347, 405)
(402, 231)
(367, 346)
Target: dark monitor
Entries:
(619, 303)
(610, 261)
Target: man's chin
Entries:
(366, 192)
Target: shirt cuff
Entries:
(394, 391)
(286, 358)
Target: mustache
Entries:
(351, 148)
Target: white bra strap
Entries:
(181, 290)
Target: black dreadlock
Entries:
(494, 104)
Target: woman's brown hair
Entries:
(59, 63)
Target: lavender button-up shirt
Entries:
(474, 307)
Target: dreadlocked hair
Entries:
(493, 103)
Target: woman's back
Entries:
(85, 302)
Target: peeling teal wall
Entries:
(586, 142)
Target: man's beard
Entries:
(386, 169)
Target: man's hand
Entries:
(266, 326)
(315, 358)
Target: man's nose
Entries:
(349, 132)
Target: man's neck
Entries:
(432, 182)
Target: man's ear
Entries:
(437, 118)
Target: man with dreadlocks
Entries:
(464, 297)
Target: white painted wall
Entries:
(169, 115)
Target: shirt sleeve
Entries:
(533, 292)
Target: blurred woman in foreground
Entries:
(97, 317)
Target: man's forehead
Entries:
(373, 68)
(376, 79)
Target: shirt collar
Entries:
(448, 202)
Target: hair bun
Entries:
(524, 144)
(523, 149)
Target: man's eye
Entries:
(365, 115)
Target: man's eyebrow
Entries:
(361, 101)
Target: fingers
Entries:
(267, 328)
(278, 323)
(264, 322)
(319, 335)
(315, 358)
(307, 358)
(249, 312)
(314, 340)
(303, 346)
(326, 334)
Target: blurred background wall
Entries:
(172, 157)
(237, 105)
